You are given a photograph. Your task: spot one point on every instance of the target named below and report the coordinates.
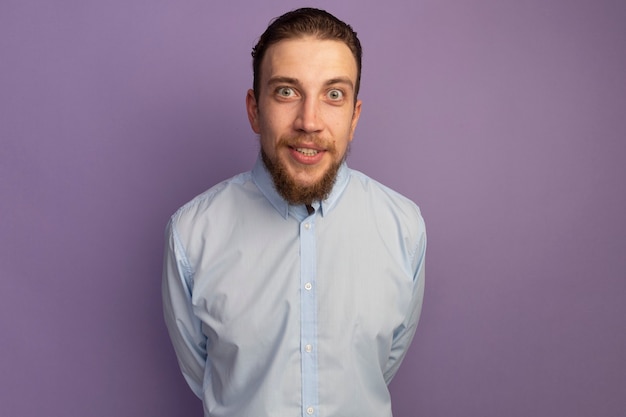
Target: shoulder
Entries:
(200, 207)
(390, 210)
(383, 198)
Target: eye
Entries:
(335, 94)
(285, 92)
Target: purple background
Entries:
(505, 120)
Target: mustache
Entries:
(306, 139)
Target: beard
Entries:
(295, 193)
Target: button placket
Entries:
(308, 312)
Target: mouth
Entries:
(307, 155)
(307, 151)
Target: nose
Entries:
(308, 119)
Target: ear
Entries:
(253, 111)
(355, 118)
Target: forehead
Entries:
(309, 58)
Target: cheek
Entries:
(268, 145)
(342, 131)
(342, 119)
(274, 124)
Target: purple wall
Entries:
(504, 119)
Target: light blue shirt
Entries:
(275, 312)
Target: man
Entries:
(295, 289)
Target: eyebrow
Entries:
(295, 81)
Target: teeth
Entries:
(307, 152)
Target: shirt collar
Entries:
(263, 180)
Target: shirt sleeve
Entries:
(184, 327)
(403, 335)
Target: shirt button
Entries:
(308, 286)
(307, 226)
(310, 410)
(308, 348)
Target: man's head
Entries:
(304, 103)
(306, 22)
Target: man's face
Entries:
(305, 114)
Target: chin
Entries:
(307, 179)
